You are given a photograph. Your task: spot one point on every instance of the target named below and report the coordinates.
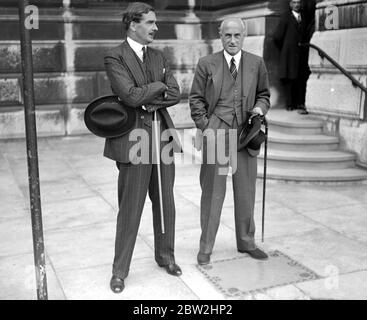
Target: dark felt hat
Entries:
(251, 137)
(108, 117)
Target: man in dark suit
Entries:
(227, 86)
(293, 65)
(142, 79)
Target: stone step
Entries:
(314, 175)
(308, 160)
(293, 123)
(316, 142)
(300, 158)
(279, 158)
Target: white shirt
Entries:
(297, 15)
(237, 60)
(137, 47)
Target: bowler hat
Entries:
(251, 136)
(108, 117)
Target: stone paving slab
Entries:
(82, 247)
(351, 286)
(62, 190)
(146, 281)
(321, 248)
(288, 292)
(77, 212)
(321, 227)
(347, 219)
(238, 277)
(315, 198)
(279, 221)
(17, 281)
(15, 236)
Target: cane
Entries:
(158, 154)
(264, 177)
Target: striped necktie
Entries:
(233, 69)
(144, 54)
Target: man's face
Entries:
(232, 36)
(145, 30)
(296, 5)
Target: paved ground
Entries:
(322, 227)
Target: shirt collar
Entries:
(136, 46)
(237, 58)
(296, 14)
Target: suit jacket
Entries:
(207, 84)
(129, 82)
(288, 34)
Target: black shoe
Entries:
(117, 284)
(172, 269)
(203, 258)
(256, 253)
(302, 111)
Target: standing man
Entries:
(227, 86)
(142, 79)
(293, 65)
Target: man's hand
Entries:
(165, 94)
(257, 110)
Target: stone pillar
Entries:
(341, 31)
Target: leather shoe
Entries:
(173, 269)
(117, 284)
(302, 111)
(203, 258)
(256, 253)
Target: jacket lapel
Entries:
(132, 63)
(247, 73)
(153, 64)
(217, 76)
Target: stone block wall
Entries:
(331, 95)
(69, 46)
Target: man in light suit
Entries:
(228, 86)
(142, 79)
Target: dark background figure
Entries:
(295, 27)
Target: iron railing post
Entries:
(32, 156)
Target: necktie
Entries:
(144, 49)
(233, 69)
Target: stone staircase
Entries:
(299, 151)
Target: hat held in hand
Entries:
(108, 117)
(251, 137)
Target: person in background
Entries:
(292, 30)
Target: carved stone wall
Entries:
(69, 46)
(341, 31)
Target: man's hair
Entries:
(134, 12)
(242, 22)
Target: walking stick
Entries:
(264, 177)
(158, 154)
